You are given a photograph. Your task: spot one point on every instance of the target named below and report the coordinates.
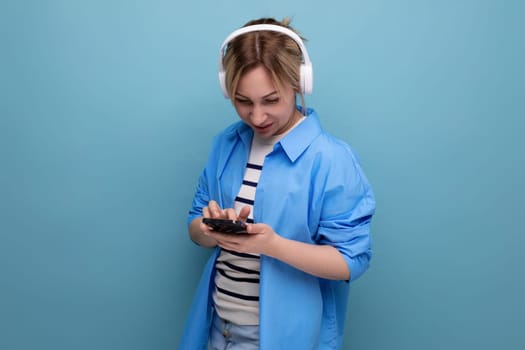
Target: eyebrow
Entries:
(265, 96)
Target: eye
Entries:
(243, 101)
(271, 101)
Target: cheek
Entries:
(286, 111)
(241, 111)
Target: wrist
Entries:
(274, 246)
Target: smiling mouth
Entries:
(262, 128)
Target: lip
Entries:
(263, 129)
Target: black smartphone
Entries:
(225, 225)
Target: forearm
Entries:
(198, 236)
(319, 260)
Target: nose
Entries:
(258, 116)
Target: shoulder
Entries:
(323, 144)
(336, 162)
(231, 132)
(332, 147)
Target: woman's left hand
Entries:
(323, 261)
(258, 239)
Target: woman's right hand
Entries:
(199, 232)
(214, 211)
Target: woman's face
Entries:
(259, 104)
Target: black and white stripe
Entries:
(236, 293)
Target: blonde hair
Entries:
(275, 51)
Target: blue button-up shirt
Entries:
(312, 189)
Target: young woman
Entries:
(306, 202)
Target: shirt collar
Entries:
(295, 142)
(301, 136)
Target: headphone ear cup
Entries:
(222, 81)
(307, 78)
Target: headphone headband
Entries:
(306, 71)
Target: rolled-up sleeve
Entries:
(200, 199)
(347, 210)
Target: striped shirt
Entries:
(236, 294)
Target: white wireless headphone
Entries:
(306, 71)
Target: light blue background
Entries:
(107, 112)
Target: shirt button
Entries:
(225, 333)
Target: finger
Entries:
(205, 229)
(230, 213)
(225, 238)
(215, 210)
(250, 229)
(229, 245)
(221, 240)
(244, 213)
(254, 229)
